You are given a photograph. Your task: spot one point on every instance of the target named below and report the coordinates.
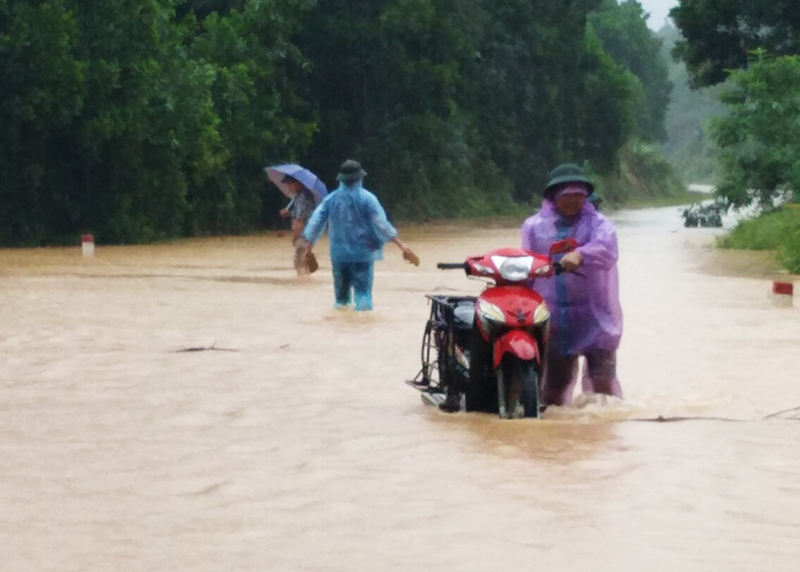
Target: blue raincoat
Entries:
(357, 224)
(585, 311)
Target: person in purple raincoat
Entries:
(586, 317)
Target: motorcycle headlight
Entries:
(541, 314)
(488, 311)
(513, 268)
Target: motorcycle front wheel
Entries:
(518, 388)
(481, 384)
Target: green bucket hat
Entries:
(351, 171)
(567, 173)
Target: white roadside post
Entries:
(87, 245)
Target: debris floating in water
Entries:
(795, 410)
(212, 347)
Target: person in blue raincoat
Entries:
(586, 316)
(357, 230)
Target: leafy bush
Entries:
(757, 140)
(789, 251)
(777, 230)
(762, 233)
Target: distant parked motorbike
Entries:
(705, 215)
(490, 348)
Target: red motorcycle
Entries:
(490, 348)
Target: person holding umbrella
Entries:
(357, 229)
(305, 191)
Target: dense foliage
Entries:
(122, 119)
(754, 47)
(457, 102)
(758, 139)
(627, 39)
(718, 35)
(150, 119)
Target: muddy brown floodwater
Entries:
(304, 450)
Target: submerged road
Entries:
(304, 450)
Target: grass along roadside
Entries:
(777, 231)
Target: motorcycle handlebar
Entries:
(558, 269)
(451, 265)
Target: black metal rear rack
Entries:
(441, 371)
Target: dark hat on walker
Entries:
(567, 173)
(351, 171)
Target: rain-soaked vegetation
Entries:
(153, 119)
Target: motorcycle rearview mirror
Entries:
(563, 246)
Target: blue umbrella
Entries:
(309, 180)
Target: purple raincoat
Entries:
(585, 312)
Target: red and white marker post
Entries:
(87, 245)
(782, 293)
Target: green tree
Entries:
(42, 89)
(254, 110)
(623, 30)
(140, 124)
(204, 8)
(151, 119)
(759, 139)
(385, 82)
(605, 112)
(537, 91)
(718, 35)
(452, 99)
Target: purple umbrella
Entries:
(309, 180)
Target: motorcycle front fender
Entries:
(519, 343)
